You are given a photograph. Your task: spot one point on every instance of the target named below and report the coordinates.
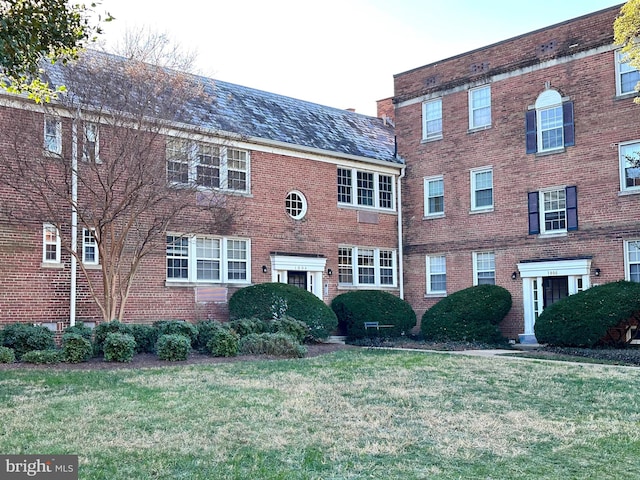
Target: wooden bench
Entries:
(376, 325)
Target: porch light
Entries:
(329, 272)
(514, 275)
(597, 272)
(264, 269)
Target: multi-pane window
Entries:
(480, 107)
(629, 166)
(207, 165)
(50, 244)
(484, 268)
(549, 124)
(207, 259)
(550, 130)
(52, 135)
(296, 205)
(627, 77)
(90, 142)
(553, 205)
(436, 274)
(554, 210)
(482, 189)
(372, 189)
(372, 267)
(433, 196)
(89, 247)
(632, 260)
(432, 119)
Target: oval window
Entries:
(296, 205)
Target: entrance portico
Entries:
(302, 270)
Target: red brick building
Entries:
(518, 169)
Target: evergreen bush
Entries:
(277, 344)
(178, 327)
(269, 301)
(103, 329)
(42, 357)
(75, 348)
(206, 330)
(247, 326)
(80, 329)
(290, 326)
(119, 347)
(145, 336)
(23, 338)
(223, 343)
(7, 355)
(173, 347)
(583, 319)
(471, 315)
(353, 309)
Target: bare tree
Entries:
(116, 179)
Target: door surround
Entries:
(313, 265)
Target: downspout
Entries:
(400, 249)
(74, 220)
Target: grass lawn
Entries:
(354, 414)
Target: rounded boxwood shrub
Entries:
(583, 319)
(103, 329)
(42, 357)
(75, 348)
(353, 309)
(80, 329)
(119, 347)
(177, 327)
(7, 355)
(247, 326)
(278, 344)
(472, 314)
(23, 338)
(290, 326)
(206, 330)
(223, 343)
(173, 347)
(145, 336)
(268, 301)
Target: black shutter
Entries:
(534, 217)
(569, 129)
(530, 128)
(571, 194)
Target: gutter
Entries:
(400, 249)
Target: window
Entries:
(482, 189)
(629, 154)
(50, 244)
(207, 165)
(89, 247)
(480, 107)
(553, 211)
(484, 268)
(296, 205)
(627, 77)
(436, 275)
(373, 189)
(90, 143)
(374, 267)
(433, 196)
(432, 120)
(632, 260)
(549, 126)
(207, 259)
(52, 135)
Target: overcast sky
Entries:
(341, 53)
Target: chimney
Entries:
(386, 110)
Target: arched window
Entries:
(549, 125)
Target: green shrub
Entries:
(119, 347)
(472, 314)
(583, 319)
(102, 330)
(278, 344)
(23, 338)
(353, 309)
(7, 355)
(173, 347)
(80, 329)
(42, 357)
(247, 326)
(290, 326)
(178, 327)
(145, 336)
(76, 348)
(206, 330)
(223, 343)
(268, 301)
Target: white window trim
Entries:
(618, 63)
(627, 262)
(476, 270)
(429, 273)
(48, 227)
(550, 99)
(542, 211)
(472, 91)
(473, 173)
(376, 265)
(304, 205)
(426, 181)
(192, 268)
(192, 163)
(58, 126)
(85, 244)
(622, 164)
(426, 137)
(85, 157)
(376, 190)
